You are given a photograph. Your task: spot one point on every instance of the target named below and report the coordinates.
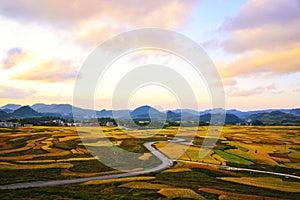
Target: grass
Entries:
(8, 176)
(233, 158)
(89, 166)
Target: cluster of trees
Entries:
(107, 121)
(41, 121)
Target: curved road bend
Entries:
(165, 164)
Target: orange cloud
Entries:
(50, 71)
(276, 62)
(265, 35)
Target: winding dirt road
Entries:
(165, 164)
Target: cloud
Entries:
(51, 11)
(236, 92)
(49, 71)
(264, 36)
(13, 56)
(267, 37)
(122, 16)
(296, 91)
(282, 61)
(94, 20)
(264, 24)
(74, 11)
(229, 82)
(15, 93)
(256, 13)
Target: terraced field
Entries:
(43, 153)
(54, 153)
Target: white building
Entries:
(9, 125)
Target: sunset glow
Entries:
(254, 44)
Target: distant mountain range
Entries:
(233, 116)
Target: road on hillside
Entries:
(166, 162)
(243, 169)
(260, 171)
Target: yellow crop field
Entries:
(145, 156)
(193, 153)
(179, 169)
(260, 152)
(267, 145)
(144, 185)
(233, 196)
(266, 182)
(173, 150)
(5, 165)
(57, 153)
(39, 150)
(262, 158)
(127, 179)
(172, 193)
(57, 161)
(67, 172)
(15, 150)
(63, 139)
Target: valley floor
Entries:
(30, 154)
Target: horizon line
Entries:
(242, 110)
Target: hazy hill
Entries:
(276, 117)
(173, 116)
(238, 113)
(65, 110)
(104, 113)
(4, 115)
(7, 110)
(268, 116)
(117, 114)
(53, 108)
(147, 112)
(11, 107)
(295, 111)
(186, 111)
(229, 118)
(246, 114)
(25, 112)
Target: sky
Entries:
(254, 44)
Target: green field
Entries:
(55, 153)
